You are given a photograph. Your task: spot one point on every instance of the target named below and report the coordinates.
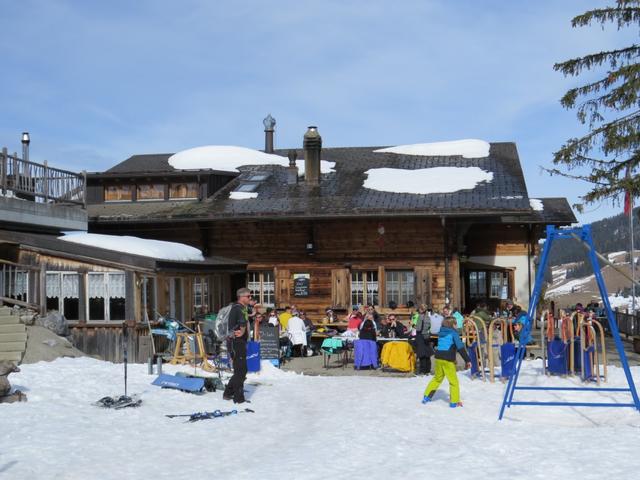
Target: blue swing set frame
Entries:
(584, 234)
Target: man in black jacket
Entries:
(237, 346)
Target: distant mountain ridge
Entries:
(609, 235)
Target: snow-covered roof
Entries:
(468, 148)
(426, 180)
(230, 158)
(137, 246)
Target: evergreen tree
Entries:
(610, 106)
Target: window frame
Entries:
(262, 295)
(161, 189)
(402, 301)
(173, 185)
(367, 297)
(128, 185)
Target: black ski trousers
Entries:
(237, 347)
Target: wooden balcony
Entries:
(40, 197)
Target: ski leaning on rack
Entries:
(194, 417)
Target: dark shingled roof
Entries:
(341, 192)
(154, 162)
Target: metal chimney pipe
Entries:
(312, 144)
(292, 169)
(25, 145)
(269, 123)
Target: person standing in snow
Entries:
(423, 347)
(449, 343)
(237, 346)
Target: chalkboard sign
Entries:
(269, 342)
(301, 285)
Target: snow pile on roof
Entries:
(468, 148)
(229, 158)
(426, 180)
(536, 204)
(242, 195)
(137, 246)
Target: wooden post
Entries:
(16, 172)
(4, 169)
(83, 298)
(45, 187)
(84, 188)
(42, 289)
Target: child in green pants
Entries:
(449, 343)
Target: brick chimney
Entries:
(312, 145)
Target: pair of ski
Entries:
(195, 417)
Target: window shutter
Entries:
(423, 285)
(340, 288)
(283, 282)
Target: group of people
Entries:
(368, 324)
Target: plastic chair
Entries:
(331, 347)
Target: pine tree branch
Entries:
(623, 74)
(617, 136)
(623, 15)
(575, 66)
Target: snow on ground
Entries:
(242, 195)
(558, 274)
(623, 303)
(229, 158)
(468, 148)
(137, 246)
(426, 180)
(612, 257)
(536, 204)
(569, 287)
(308, 428)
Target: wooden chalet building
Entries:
(97, 289)
(324, 239)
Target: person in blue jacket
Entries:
(449, 343)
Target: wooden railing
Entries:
(39, 182)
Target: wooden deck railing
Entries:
(39, 182)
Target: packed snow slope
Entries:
(307, 428)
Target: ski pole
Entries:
(124, 341)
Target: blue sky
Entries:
(95, 82)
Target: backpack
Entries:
(221, 326)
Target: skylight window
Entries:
(258, 177)
(247, 187)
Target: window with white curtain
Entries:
(63, 293)
(400, 286)
(15, 283)
(364, 288)
(106, 292)
(201, 294)
(263, 287)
